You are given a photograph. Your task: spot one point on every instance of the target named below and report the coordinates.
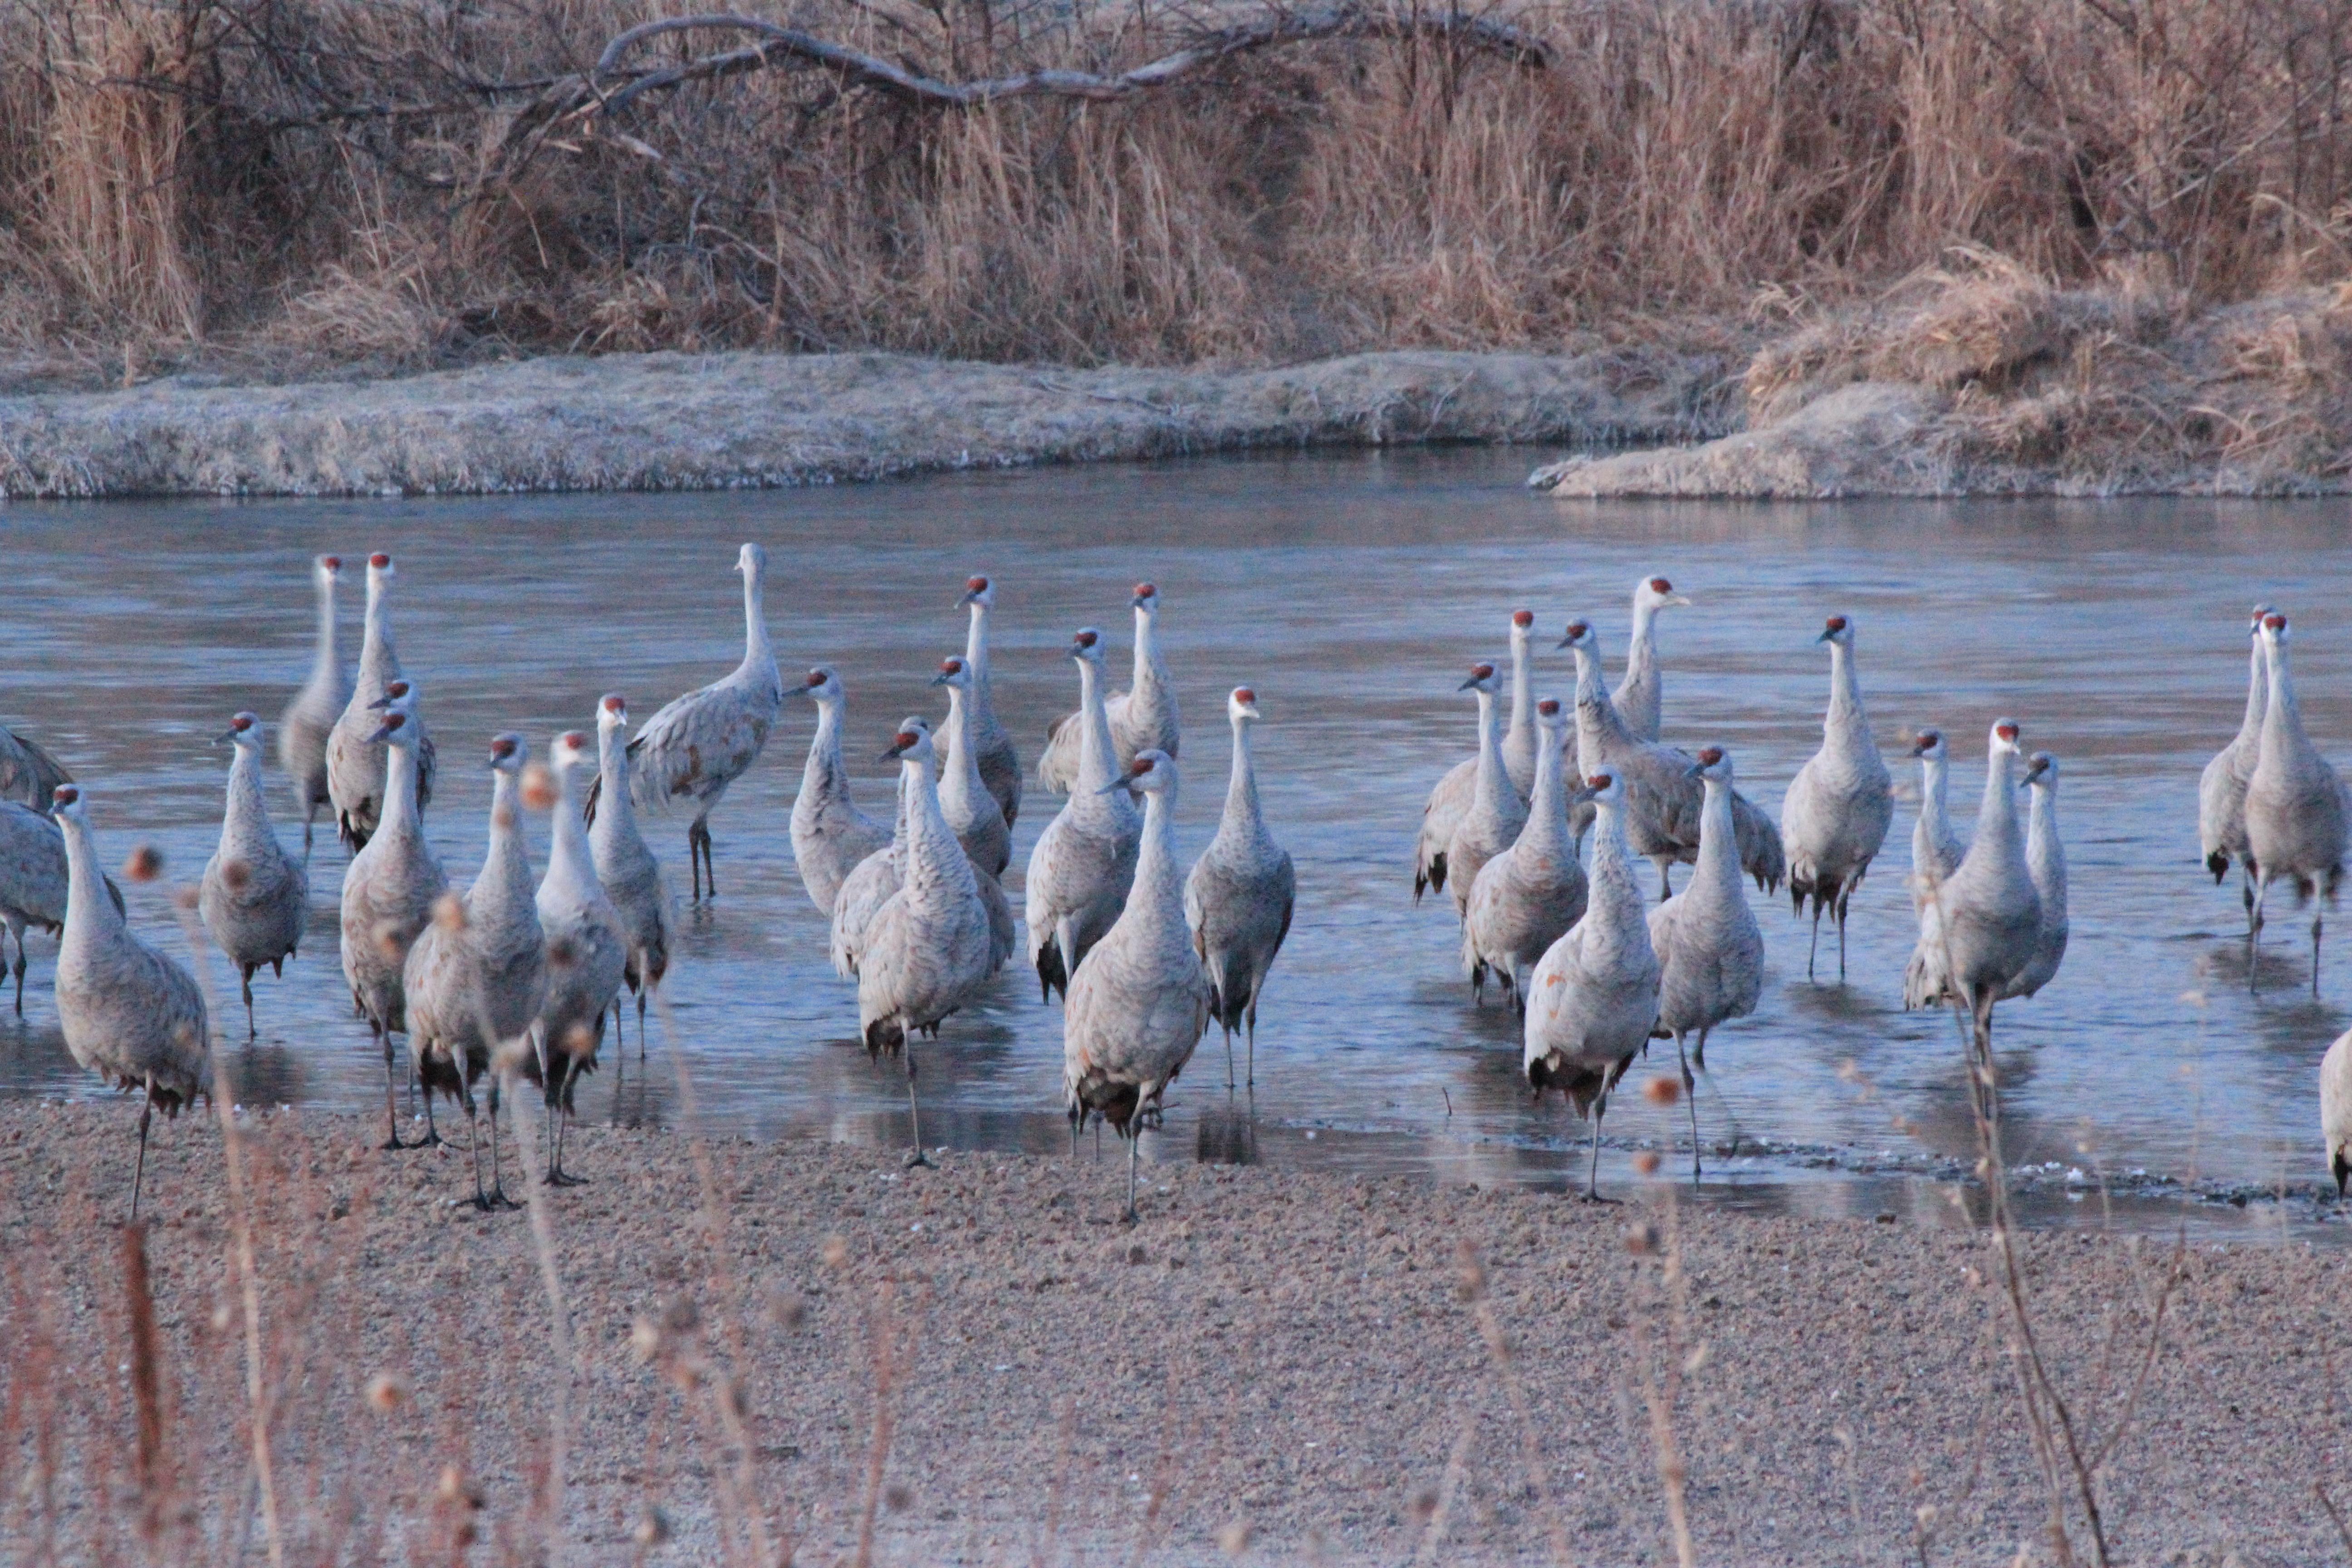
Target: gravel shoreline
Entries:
(1296, 1359)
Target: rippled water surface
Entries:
(1350, 591)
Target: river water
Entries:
(1352, 591)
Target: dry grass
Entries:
(186, 176)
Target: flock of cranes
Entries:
(1535, 838)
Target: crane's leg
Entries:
(1690, 1094)
(250, 1032)
(1097, 1140)
(1252, 1019)
(138, 1170)
(1134, 1151)
(1845, 897)
(498, 1184)
(1666, 877)
(914, 1113)
(1815, 946)
(1228, 1029)
(2246, 890)
(1592, 1171)
(473, 1145)
(391, 1096)
(2316, 918)
(309, 816)
(2255, 936)
(20, 972)
(643, 991)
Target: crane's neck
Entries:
(1547, 804)
(1492, 779)
(826, 774)
(1596, 716)
(1845, 714)
(1242, 814)
(975, 650)
(1097, 758)
(326, 665)
(506, 867)
(2249, 727)
(569, 860)
(933, 852)
(378, 660)
(1719, 840)
(1642, 645)
(1147, 647)
(2282, 718)
(962, 760)
(1613, 888)
(249, 811)
(1523, 688)
(1159, 880)
(88, 909)
(1997, 814)
(397, 818)
(613, 771)
(1932, 805)
(759, 657)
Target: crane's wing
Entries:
(28, 773)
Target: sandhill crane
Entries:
(830, 835)
(1937, 846)
(1639, 698)
(1141, 717)
(355, 761)
(1451, 799)
(965, 798)
(477, 975)
(34, 880)
(309, 719)
(1080, 867)
(2295, 819)
(2045, 860)
(131, 1015)
(1497, 813)
(1710, 953)
(2221, 790)
(390, 889)
(1663, 799)
(255, 899)
(929, 948)
(632, 877)
(1529, 896)
(2336, 1110)
(1238, 896)
(28, 774)
(1834, 819)
(586, 948)
(703, 741)
(1979, 932)
(1141, 1001)
(1594, 993)
(1000, 764)
(869, 884)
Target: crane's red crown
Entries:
(378, 561)
(1523, 619)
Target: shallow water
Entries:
(1352, 591)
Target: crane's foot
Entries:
(1130, 1216)
(920, 1161)
(565, 1179)
(1596, 1199)
(394, 1143)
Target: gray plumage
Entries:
(2295, 817)
(1834, 819)
(1978, 933)
(1641, 695)
(1000, 762)
(965, 798)
(1529, 896)
(1451, 800)
(625, 865)
(309, 719)
(868, 888)
(2336, 1110)
(254, 899)
(1081, 866)
(477, 978)
(2045, 862)
(1663, 799)
(1239, 895)
(830, 835)
(355, 758)
(688, 753)
(2222, 788)
(1710, 953)
(1497, 813)
(131, 1015)
(34, 880)
(1141, 1001)
(1594, 993)
(1937, 846)
(389, 892)
(1141, 717)
(587, 949)
(28, 774)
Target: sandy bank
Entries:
(668, 421)
(1294, 1355)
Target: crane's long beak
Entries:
(226, 735)
(382, 732)
(892, 756)
(1581, 794)
(1825, 637)
(790, 693)
(940, 679)
(1679, 599)
(1467, 684)
(1564, 642)
(968, 599)
(1116, 783)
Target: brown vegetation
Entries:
(406, 183)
